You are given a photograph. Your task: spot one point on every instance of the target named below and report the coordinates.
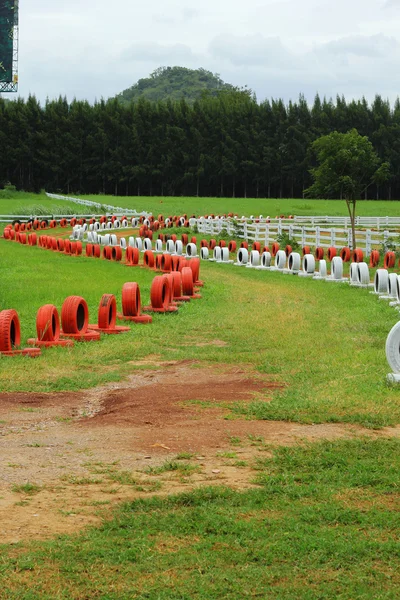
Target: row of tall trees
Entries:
(224, 146)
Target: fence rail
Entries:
(267, 233)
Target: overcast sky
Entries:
(279, 48)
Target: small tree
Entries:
(348, 165)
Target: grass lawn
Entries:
(323, 519)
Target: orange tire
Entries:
(257, 246)
(48, 324)
(185, 239)
(306, 250)
(389, 260)
(357, 255)
(175, 262)
(73, 222)
(60, 244)
(319, 253)
(332, 252)
(159, 293)
(232, 246)
(177, 284)
(63, 223)
(212, 243)
(222, 244)
(148, 259)
(158, 262)
(244, 245)
(10, 330)
(67, 247)
(166, 262)
(374, 259)
(89, 250)
(193, 240)
(203, 244)
(345, 254)
(53, 224)
(288, 250)
(107, 253)
(78, 248)
(116, 253)
(75, 315)
(275, 248)
(132, 256)
(131, 304)
(54, 244)
(194, 265)
(96, 251)
(187, 281)
(107, 315)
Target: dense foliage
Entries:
(174, 83)
(224, 146)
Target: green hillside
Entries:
(174, 83)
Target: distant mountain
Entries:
(175, 83)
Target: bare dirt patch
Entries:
(87, 451)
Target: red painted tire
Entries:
(187, 281)
(319, 253)
(306, 250)
(345, 254)
(63, 223)
(244, 245)
(159, 292)
(6, 234)
(257, 246)
(107, 315)
(23, 238)
(389, 260)
(75, 315)
(96, 251)
(288, 250)
(36, 224)
(89, 250)
(10, 330)
(275, 248)
(212, 243)
(78, 248)
(73, 248)
(148, 259)
(116, 253)
(357, 255)
(194, 265)
(332, 252)
(232, 246)
(166, 262)
(177, 284)
(53, 224)
(203, 244)
(175, 262)
(132, 256)
(48, 324)
(73, 222)
(131, 304)
(54, 244)
(193, 240)
(67, 247)
(158, 262)
(33, 239)
(107, 253)
(185, 239)
(222, 244)
(374, 259)
(60, 244)
(265, 249)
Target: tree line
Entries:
(228, 145)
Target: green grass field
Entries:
(323, 519)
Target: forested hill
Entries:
(174, 83)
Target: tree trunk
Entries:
(351, 206)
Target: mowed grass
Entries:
(323, 342)
(27, 203)
(323, 523)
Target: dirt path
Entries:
(67, 457)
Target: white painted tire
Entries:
(254, 258)
(103, 226)
(354, 273)
(178, 247)
(308, 264)
(243, 256)
(224, 254)
(392, 285)
(204, 253)
(280, 259)
(159, 246)
(106, 239)
(91, 227)
(124, 223)
(146, 223)
(167, 222)
(393, 348)
(381, 281)
(192, 222)
(109, 225)
(132, 242)
(147, 245)
(90, 237)
(217, 253)
(94, 237)
(398, 288)
(294, 262)
(138, 243)
(322, 268)
(181, 222)
(191, 250)
(170, 249)
(266, 259)
(122, 243)
(363, 273)
(117, 224)
(96, 226)
(84, 227)
(337, 268)
(113, 240)
(134, 222)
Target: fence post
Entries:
(245, 230)
(385, 237)
(303, 236)
(333, 238)
(317, 236)
(368, 242)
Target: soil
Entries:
(81, 453)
